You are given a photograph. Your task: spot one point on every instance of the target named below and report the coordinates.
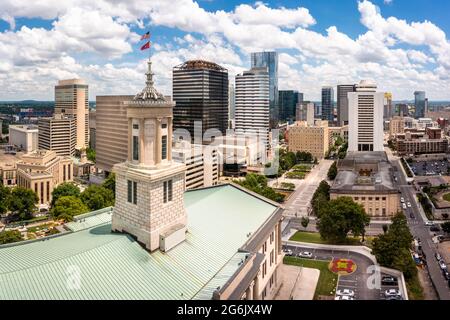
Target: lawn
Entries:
(311, 237)
(327, 280)
(415, 290)
(446, 197)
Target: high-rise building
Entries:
(200, 91)
(58, 134)
(342, 102)
(269, 60)
(306, 138)
(388, 106)
(328, 104)
(92, 129)
(231, 102)
(72, 100)
(252, 104)
(402, 110)
(111, 142)
(420, 104)
(366, 118)
(287, 102)
(305, 112)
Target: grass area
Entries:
(312, 237)
(415, 290)
(446, 197)
(40, 227)
(327, 280)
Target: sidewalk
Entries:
(298, 283)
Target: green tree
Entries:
(23, 202)
(446, 227)
(10, 236)
(258, 183)
(97, 197)
(341, 217)
(90, 154)
(110, 183)
(305, 222)
(66, 207)
(333, 171)
(5, 194)
(65, 189)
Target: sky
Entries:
(403, 45)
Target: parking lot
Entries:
(430, 168)
(358, 280)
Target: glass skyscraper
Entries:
(288, 100)
(269, 60)
(342, 102)
(328, 104)
(420, 104)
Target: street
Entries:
(416, 222)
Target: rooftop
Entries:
(115, 266)
(199, 64)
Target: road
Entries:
(299, 202)
(358, 280)
(416, 222)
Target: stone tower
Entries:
(149, 185)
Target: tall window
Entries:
(64, 172)
(135, 148)
(164, 147)
(167, 191)
(68, 172)
(132, 192)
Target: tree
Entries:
(97, 197)
(5, 194)
(333, 171)
(305, 222)
(66, 207)
(65, 189)
(341, 217)
(446, 227)
(90, 154)
(320, 198)
(10, 236)
(110, 183)
(258, 184)
(23, 202)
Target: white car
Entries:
(442, 265)
(345, 292)
(429, 223)
(408, 204)
(402, 200)
(404, 206)
(344, 298)
(392, 293)
(305, 254)
(288, 252)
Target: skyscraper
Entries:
(342, 102)
(269, 60)
(420, 104)
(365, 118)
(305, 112)
(287, 102)
(328, 104)
(71, 99)
(58, 134)
(200, 91)
(252, 103)
(388, 107)
(231, 102)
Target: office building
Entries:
(402, 110)
(253, 105)
(396, 126)
(269, 60)
(58, 134)
(418, 141)
(366, 118)
(305, 112)
(366, 177)
(92, 128)
(24, 137)
(200, 91)
(288, 100)
(202, 164)
(335, 132)
(342, 102)
(42, 171)
(388, 106)
(328, 104)
(231, 102)
(312, 139)
(420, 104)
(72, 100)
(111, 131)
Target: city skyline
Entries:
(392, 43)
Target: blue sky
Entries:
(402, 45)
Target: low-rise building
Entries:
(24, 137)
(396, 126)
(366, 177)
(313, 139)
(335, 132)
(42, 171)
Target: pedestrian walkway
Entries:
(299, 283)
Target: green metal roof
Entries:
(115, 266)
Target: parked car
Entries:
(435, 229)
(438, 256)
(402, 200)
(394, 298)
(408, 204)
(392, 293)
(442, 265)
(288, 252)
(404, 206)
(446, 274)
(429, 223)
(344, 298)
(389, 281)
(305, 254)
(345, 292)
